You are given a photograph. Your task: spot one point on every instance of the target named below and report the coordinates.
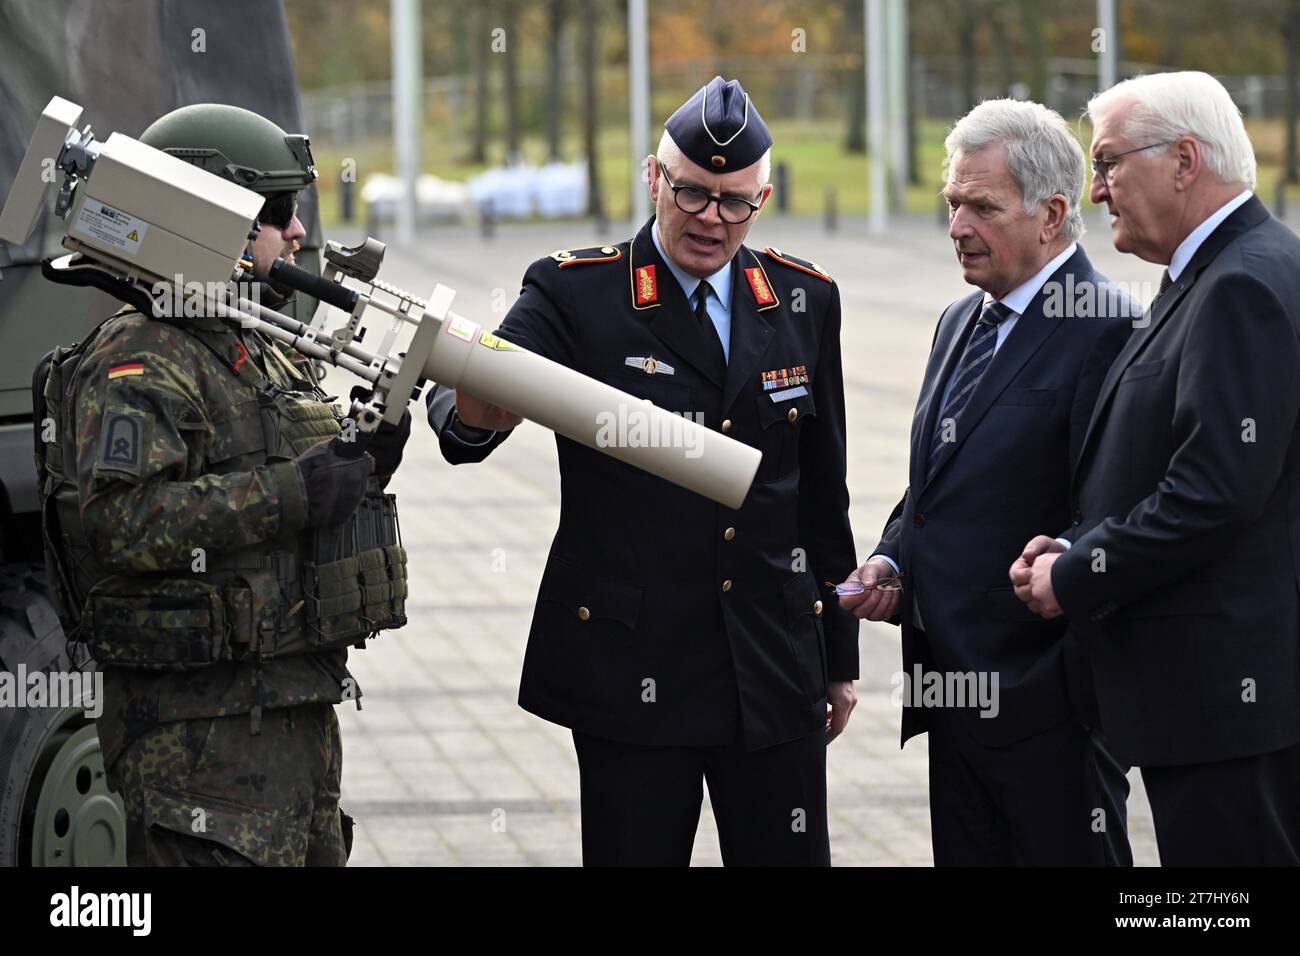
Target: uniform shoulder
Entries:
(588, 255)
(795, 262)
(132, 331)
(139, 344)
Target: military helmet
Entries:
(235, 144)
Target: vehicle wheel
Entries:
(55, 805)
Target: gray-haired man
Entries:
(1017, 774)
(1188, 486)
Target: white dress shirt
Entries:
(1017, 300)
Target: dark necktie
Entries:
(975, 360)
(1165, 283)
(706, 324)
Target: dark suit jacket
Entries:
(722, 609)
(956, 532)
(1188, 488)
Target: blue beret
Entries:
(718, 128)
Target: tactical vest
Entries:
(302, 593)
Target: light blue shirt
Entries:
(718, 304)
(1187, 248)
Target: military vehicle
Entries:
(127, 62)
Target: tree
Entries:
(554, 78)
(590, 106)
(1036, 44)
(513, 51)
(1291, 39)
(478, 151)
(967, 18)
(855, 139)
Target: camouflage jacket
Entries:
(159, 477)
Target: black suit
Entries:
(1021, 786)
(721, 609)
(1186, 549)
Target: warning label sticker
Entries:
(110, 226)
(501, 345)
(461, 328)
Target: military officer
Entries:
(680, 640)
(228, 552)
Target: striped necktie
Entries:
(975, 361)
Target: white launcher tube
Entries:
(583, 409)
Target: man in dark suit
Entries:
(1183, 551)
(682, 641)
(1015, 777)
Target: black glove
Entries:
(335, 483)
(385, 445)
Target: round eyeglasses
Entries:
(694, 200)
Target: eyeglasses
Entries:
(884, 584)
(1101, 167)
(694, 200)
(279, 210)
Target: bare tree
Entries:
(855, 137)
(1006, 54)
(967, 18)
(1035, 48)
(590, 106)
(1291, 39)
(555, 77)
(478, 151)
(510, 21)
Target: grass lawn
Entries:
(812, 151)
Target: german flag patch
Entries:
(122, 371)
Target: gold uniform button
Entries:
(583, 614)
(792, 415)
(817, 608)
(608, 250)
(726, 585)
(726, 425)
(729, 534)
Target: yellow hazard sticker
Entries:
(500, 345)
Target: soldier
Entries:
(228, 552)
(680, 640)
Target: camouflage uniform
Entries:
(225, 756)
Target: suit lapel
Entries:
(961, 325)
(1151, 320)
(751, 332)
(1031, 330)
(655, 290)
(1246, 217)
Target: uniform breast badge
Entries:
(649, 365)
(784, 383)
